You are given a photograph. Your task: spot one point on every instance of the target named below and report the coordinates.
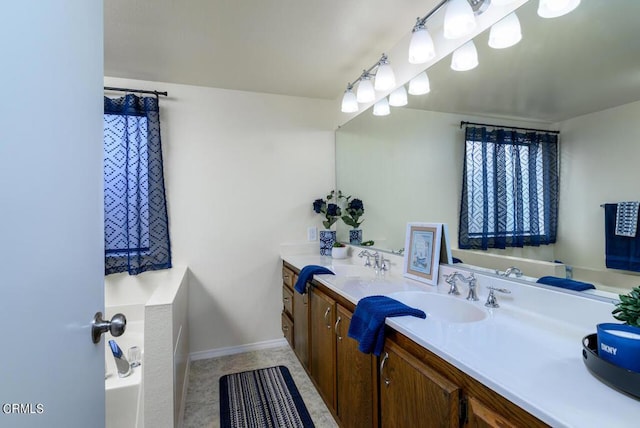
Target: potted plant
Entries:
(354, 210)
(339, 251)
(331, 212)
(628, 310)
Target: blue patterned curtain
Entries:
(136, 228)
(509, 189)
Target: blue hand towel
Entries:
(306, 274)
(621, 252)
(367, 322)
(568, 284)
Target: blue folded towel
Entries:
(621, 252)
(306, 274)
(568, 284)
(367, 322)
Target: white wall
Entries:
(241, 170)
(599, 164)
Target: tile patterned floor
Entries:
(202, 408)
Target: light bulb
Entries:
(421, 48)
(365, 93)
(349, 101)
(385, 79)
(419, 85)
(555, 8)
(381, 108)
(465, 57)
(398, 97)
(505, 33)
(459, 20)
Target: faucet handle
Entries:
(385, 264)
(472, 281)
(492, 302)
(451, 280)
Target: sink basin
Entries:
(353, 271)
(441, 307)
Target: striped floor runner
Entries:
(260, 399)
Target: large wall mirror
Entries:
(579, 74)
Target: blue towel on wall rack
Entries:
(306, 274)
(367, 322)
(566, 283)
(621, 252)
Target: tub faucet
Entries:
(124, 368)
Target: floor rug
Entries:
(262, 398)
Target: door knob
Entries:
(116, 326)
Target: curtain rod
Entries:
(140, 91)
(462, 123)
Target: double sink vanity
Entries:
(466, 364)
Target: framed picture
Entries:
(422, 252)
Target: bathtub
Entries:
(124, 398)
(148, 396)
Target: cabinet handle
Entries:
(305, 299)
(387, 381)
(335, 328)
(285, 328)
(286, 299)
(326, 314)
(286, 277)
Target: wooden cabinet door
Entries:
(355, 377)
(413, 394)
(301, 331)
(287, 327)
(480, 416)
(323, 356)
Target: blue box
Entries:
(620, 345)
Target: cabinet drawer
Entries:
(287, 328)
(287, 277)
(287, 301)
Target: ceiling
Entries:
(582, 62)
(289, 47)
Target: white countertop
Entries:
(529, 349)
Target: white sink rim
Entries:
(441, 307)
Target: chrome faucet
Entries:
(470, 280)
(512, 270)
(124, 368)
(492, 302)
(367, 254)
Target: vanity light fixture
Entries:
(381, 108)
(385, 79)
(421, 48)
(506, 32)
(465, 57)
(398, 97)
(349, 100)
(459, 20)
(365, 93)
(419, 85)
(555, 8)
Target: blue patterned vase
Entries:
(355, 236)
(327, 239)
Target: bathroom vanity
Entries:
(464, 365)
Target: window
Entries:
(136, 227)
(509, 189)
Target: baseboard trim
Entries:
(221, 352)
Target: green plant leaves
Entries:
(628, 310)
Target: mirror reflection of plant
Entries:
(330, 210)
(354, 210)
